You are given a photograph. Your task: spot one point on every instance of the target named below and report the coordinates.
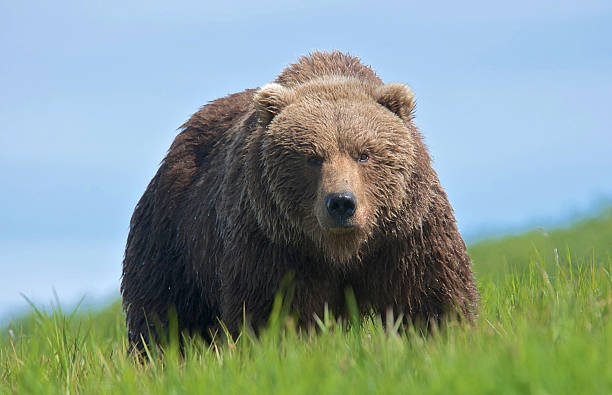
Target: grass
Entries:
(545, 327)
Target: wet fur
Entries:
(234, 208)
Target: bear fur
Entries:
(242, 200)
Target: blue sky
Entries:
(514, 101)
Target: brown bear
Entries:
(321, 174)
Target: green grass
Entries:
(544, 327)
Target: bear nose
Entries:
(341, 206)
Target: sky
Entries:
(513, 99)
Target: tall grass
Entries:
(544, 327)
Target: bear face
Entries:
(338, 157)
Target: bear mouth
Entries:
(342, 230)
(342, 244)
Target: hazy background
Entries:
(514, 100)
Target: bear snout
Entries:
(341, 207)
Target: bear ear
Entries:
(398, 98)
(270, 99)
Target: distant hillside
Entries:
(587, 239)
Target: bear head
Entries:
(337, 159)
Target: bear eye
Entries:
(364, 157)
(314, 161)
